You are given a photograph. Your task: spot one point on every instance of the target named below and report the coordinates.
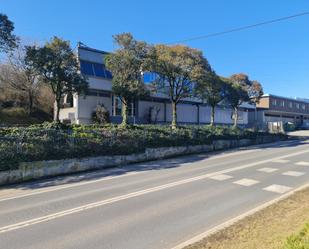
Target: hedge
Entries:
(51, 141)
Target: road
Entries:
(149, 205)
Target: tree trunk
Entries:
(30, 102)
(124, 113)
(174, 118)
(235, 116)
(58, 101)
(256, 126)
(212, 117)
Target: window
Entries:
(86, 68)
(99, 70)
(291, 104)
(117, 107)
(297, 105)
(274, 102)
(304, 107)
(282, 103)
(94, 69)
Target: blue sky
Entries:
(277, 55)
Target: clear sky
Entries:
(277, 55)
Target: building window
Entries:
(94, 69)
(86, 68)
(117, 107)
(274, 102)
(290, 104)
(282, 104)
(304, 107)
(297, 105)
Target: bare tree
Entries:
(18, 75)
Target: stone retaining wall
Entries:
(39, 169)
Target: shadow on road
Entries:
(145, 166)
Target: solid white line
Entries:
(72, 185)
(133, 194)
(232, 221)
(68, 185)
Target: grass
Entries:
(279, 226)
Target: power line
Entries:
(241, 28)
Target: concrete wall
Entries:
(39, 169)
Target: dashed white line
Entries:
(273, 188)
(302, 163)
(220, 177)
(280, 189)
(246, 182)
(281, 161)
(267, 170)
(293, 173)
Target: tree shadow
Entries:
(169, 163)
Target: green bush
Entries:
(299, 241)
(51, 141)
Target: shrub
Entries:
(101, 115)
(49, 141)
(299, 241)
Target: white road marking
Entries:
(267, 170)
(302, 163)
(69, 185)
(220, 177)
(142, 192)
(281, 161)
(280, 189)
(293, 173)
(232, 221)
(72, 185)
(246, 182)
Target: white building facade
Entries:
(153, 109)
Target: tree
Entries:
(56, 63)
(177, 69)
(242, 89)
(236, 94)
(210, 89)
(255, 93)
(20, 76)
(8, 40)
(126, 65)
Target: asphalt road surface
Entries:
(150, 205)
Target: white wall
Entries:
(86, 106)
(143, 110)
(99, 83)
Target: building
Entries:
(272, 108)
(153, 109)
